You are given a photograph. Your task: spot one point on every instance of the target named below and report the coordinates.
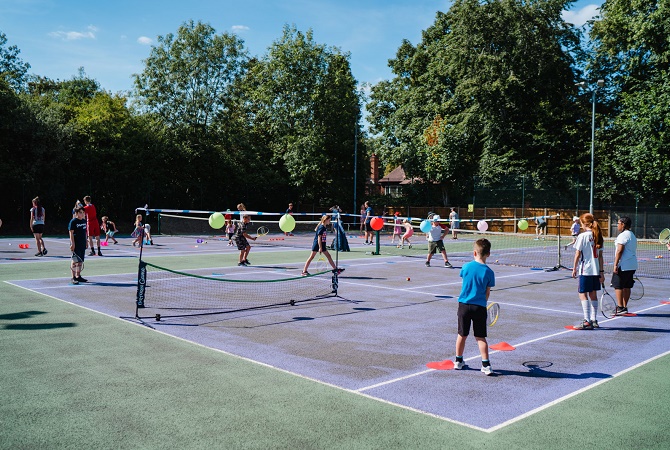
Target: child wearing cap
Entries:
(574, 230)
(435, 238)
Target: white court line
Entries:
(542, 338)
(360, 390)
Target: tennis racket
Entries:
(262, 231)
(637, 291)
(77, 260)
(321, 264)
(607, 304)
(492, 313)
(664, 236)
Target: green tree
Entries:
(188, 76)
(631, 51)
(12, 69)
(306, 108)
(488, 91)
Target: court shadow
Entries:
(648, 330)
(98, 283)
(541, 373)
(39, 326)
(21, 315)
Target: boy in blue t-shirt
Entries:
(478, 279)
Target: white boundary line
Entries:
(360, 392)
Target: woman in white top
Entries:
(625, 264)
(37, 225)
(588, 264)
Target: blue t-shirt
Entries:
(476, 278)
(368, 214)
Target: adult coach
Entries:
(540, 228)
(454, 223)
(625, 264)
(369, 237)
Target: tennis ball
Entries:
(496, 260)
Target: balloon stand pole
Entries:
(376, 252)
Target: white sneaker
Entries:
(487, 370)
(458, 365)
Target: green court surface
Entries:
(72, 377)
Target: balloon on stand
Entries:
(482, 225)
(286, 223)
(523, 224)
(217, 221)
(377, 223)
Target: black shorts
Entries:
(368, 227)
(241, 242)
(38, 229)
(623, 279)
(476, 314)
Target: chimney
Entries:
(374, 168)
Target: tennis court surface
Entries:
(391, 317)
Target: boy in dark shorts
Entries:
(478, 279)
(240, 238)
(78, 237)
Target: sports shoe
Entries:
(74, 281)
(338, 271)
(92, 253)
(305, 274)
(44, 252)
(39, 254)
(584, 325)
(487, 370)
(594, 324)
(448, 265)
(241, 264)
(458, 365)
(621, 311)
(410, 246)
(99, 253)
(82, 279)
(427, 263)
(246, 262)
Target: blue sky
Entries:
(111, 38)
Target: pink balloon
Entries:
(482, 225)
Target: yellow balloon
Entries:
(523, 224)
(217, 220)
(287, 223)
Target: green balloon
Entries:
(217, 220)
(523, 224)
(287, 223)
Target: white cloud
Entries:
(144, 40)
(239, 28)
(75, 35)
(581, 16)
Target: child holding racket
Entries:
(435, 238)
(78, 237)
(320, 246)
(478, 279)
(625, 264)
(241, 237)
(397, 228)
(589, 265)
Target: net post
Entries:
(376, 252)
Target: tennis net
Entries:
(548, 252)
(164, 292)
